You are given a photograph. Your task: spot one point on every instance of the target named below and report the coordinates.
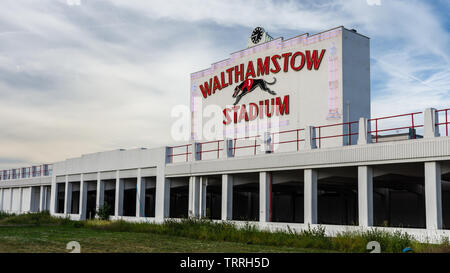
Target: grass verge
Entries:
(313, 239)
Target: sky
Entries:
(84, 76)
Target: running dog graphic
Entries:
(249, 85)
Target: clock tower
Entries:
(258, 36)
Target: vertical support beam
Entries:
(162, 202)
(162, 206)
(168, 155)
(433, 195)
(196, 151)
(1, 199)
(202, 195)
(20, 199)
(194, 196)
(118, 210)
(42, 198)
(227, 148)
(140, 194)
(267, 146)
(227, 197)
(68, 197)
(83, 197)
(53, 195)
(10, 198)
(100, 196)
(431, 118)
(310, 196)
(310, 135)
(365, 196)
(264, 197)
(363, 132)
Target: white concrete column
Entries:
(363, 132)
(83, 197)
(202, 197)
(46, 197)
(118, 209)
(196, 151)
(168, 155)
(162, 204)
(431, 117)
(1, 199)
(227, 197)
(100, 196)
(140, 195)
(11, 195)
(365, 196)
(227, 148)
(194, 196)
(264, 196)
(310, 135)
(310, 197)
(433, 195)
(53, 195)
(20, 199)
(42, 198)
(68, 197)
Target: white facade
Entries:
(150, 185)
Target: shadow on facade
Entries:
(445, 178)
(91, 199)
(129, 196)
(61, 193)
(398, 195)
(179, 197)
(214, 197)
(337, 196)
(75, 201)
(110, 194)
(246, 197)
(287, 196)
(150, 196)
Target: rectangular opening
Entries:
(399, 195)
(214, 197)
(150, 196)
(246, 197)
(179, 197)
(129, 196)
(337, 193)
(287, 196)
(61, 195)
(75, 205)
(91, 199)
(446, 200)
(110, 194)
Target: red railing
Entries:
(254, 146)
(445, 111)
(184, 153)
(349, 134)
(217, 148)
(321, 134)
(297, 140)
(412, 127)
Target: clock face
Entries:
(257, 35)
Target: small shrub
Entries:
(103, 211)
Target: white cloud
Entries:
(104, 75)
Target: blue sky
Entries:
(103, 75)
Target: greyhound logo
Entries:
(249, 85)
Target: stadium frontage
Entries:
(295, 146)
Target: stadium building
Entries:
(296, 146)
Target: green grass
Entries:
(40, 232)
(47, 239)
